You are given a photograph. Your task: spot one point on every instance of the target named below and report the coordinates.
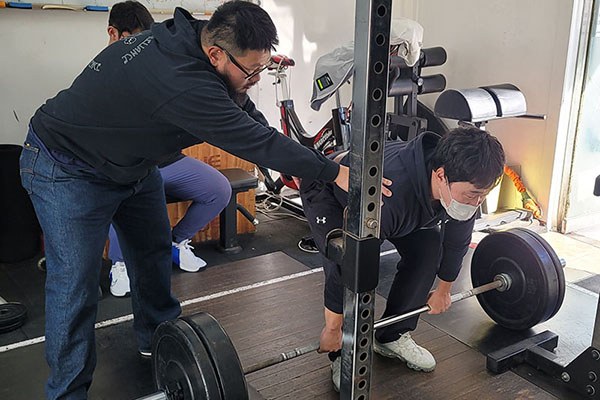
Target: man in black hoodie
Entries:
(90, 157)
(438, 184)
(184, 178)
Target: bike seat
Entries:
(280, 60)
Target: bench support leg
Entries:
(228, 242)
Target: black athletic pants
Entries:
(420, 254)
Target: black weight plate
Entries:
(180, 361)
(546, 259)
(12, 316)
(223, 355)
(557, 265)
(534, 291)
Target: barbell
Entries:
(517, 277)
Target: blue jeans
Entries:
(75, 207)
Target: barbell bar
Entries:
(517, 278)
(501, 282)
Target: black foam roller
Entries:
(429, 84)
(433, 56)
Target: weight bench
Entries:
(411, 117)
(241, 181)
(480, 105)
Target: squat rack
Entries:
(357, 250)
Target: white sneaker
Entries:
(336, 373)
(185, 258)
(405, 349)
(119, 281)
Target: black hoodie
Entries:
(412, 206)
(152, 94)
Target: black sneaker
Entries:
(41, 264)
(145, 353)
(307, 244)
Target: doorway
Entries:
(582, 215)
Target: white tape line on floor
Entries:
(129, 317)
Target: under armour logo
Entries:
(129, 40)
(322, 220)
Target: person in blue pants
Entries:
(184, 178)
(187, 179)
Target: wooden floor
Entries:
(264, 316)
(289, 314)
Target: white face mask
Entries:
(456, 210)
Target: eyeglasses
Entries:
(249, 75)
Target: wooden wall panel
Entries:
(218, 159)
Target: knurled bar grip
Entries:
(281, 358)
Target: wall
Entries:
(41, 53)
(516, 41)
(306, 31)
(522, 42)
(488, 42)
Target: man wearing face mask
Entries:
(438, 184)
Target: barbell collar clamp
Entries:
(505, 280)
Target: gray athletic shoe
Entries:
(405, 349)
(336, 370)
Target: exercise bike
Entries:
(334, 70)
(333, 136)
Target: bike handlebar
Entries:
(280, 60)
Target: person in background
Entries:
(127, 18)
(438, 184)
(184, 178)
